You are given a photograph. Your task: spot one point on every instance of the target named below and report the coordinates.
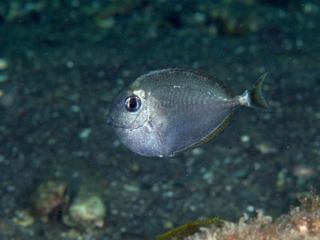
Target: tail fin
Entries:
(253, 97)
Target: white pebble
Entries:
(3, 64)
(70, 64)
(245, 138)
(250, 208)
(197, 151)
(75, 108)
(85, 133)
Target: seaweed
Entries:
(189, 229)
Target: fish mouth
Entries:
(111, 123)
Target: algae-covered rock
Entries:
(49, 198)
(301, 223)
(87, 211)
(189, 229)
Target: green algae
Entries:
(189, 229)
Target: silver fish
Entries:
(168, 111)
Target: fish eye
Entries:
(133, 103)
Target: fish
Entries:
(167, 111)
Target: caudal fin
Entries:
(253, 97)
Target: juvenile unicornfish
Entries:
(168, 111)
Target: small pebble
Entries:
(266, 148)
(213, 30)
(245, 138)
(197, 151)
(10, 188)
(228, 188)
(52, 141)
(3, 64)
(7, 99)
(135, 167)
(208, 177)
(106, 23)
(85, 133)
(303, 171)
(3, 78)
(86, 211)
(192, 208)
(131, 188)
(70, 64)
(71, 234)
(23, 218)
(116, 143)
(250, 208)
(75, 108)
(199, 17)
(168, 225)
(168, 194)
(310, 8)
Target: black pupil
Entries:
(132, 103)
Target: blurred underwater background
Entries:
(63, 172)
